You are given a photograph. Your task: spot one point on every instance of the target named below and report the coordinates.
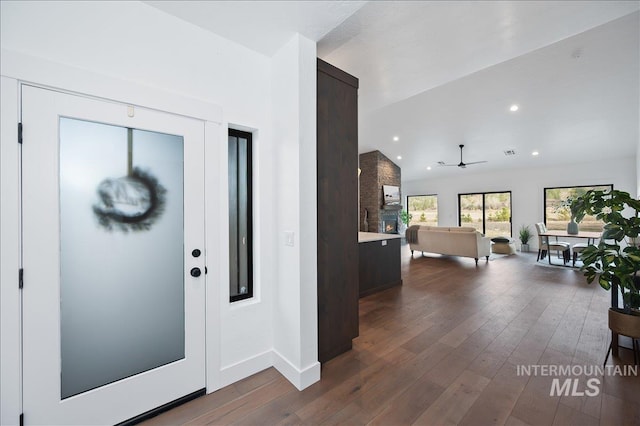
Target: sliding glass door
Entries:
(488, 212)
(470, 211)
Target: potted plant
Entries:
(615, 261)
(525, 236)
(405, 217)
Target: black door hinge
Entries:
(20, 278)
(21, 419)
(19, 132)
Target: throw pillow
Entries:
(500, 239)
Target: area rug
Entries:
(557, 263)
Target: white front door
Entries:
(113, 258)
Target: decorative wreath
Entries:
(130, 203)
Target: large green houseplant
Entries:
(616, 258)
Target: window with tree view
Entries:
(423, 210)
(556, 207)
(488, 212)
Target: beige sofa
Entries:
(455, 241)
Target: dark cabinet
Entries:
(379, 266)
(337, 192)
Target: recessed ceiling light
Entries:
(514, 108)
(399, 157)
(534, 153)
(396, 139)
(428, 167)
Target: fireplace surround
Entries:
(377, 171)
(389, 222)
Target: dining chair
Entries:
(545, 246)
(577, 249)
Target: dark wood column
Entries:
(337, 169)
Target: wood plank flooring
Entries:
(444, 349)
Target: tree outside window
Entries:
(556, 207)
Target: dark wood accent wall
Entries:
(337, 169)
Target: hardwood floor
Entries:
(444, 349)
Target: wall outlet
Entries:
(289, 238)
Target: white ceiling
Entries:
(263, 26)
(441, 73)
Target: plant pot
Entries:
(626, 324)
(524, 248)
(572, 228)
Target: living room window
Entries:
(488, 212)
(423, 209)
(556, 207)
(240, 216)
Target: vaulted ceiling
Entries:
(436, 74)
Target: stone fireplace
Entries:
(389, 222)
(377, 170)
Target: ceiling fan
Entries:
(462, 164)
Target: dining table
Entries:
(590, 236)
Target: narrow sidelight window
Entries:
(240, 216)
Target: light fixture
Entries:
(534, 153)
(399, 157)
(428, 167)
(514, 108)
(396, 139)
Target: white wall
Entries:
(526, 186)
(295, 305)
(135, 42)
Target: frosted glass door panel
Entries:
(122, 253)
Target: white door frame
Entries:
(18, 69)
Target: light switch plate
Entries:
(384, 242)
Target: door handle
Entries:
(195, 272)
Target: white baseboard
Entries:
(246, 368)
(243, 369)
(299, 378)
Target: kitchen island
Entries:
(379, 264)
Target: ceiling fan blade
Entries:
(461, 164)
